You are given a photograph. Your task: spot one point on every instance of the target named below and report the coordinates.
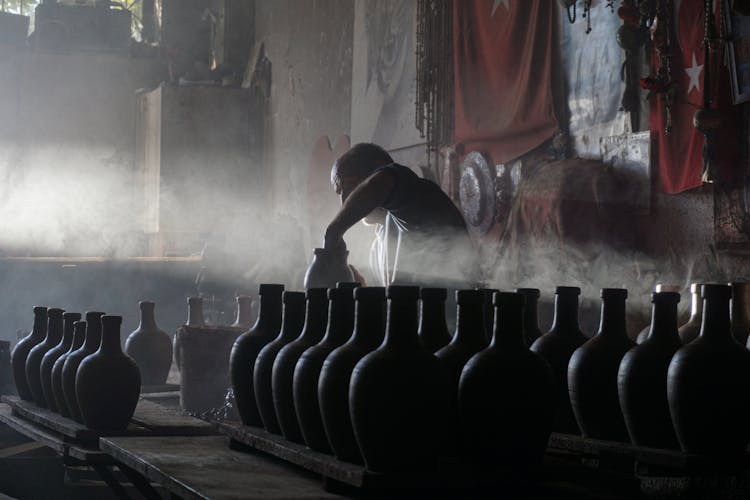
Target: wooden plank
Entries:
(156, 389)
(32, 431)
(163, 421)
(89, 456)
(203, 467)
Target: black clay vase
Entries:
(49, 359)
(397, 394)
(150, 347)
(592, 372)
(468, 340)
(79, 334)
(307, 370)
(507, 396)
(327, 268)
(642, 377)
(246, 349)
(333, 385)
(708, 384)
(108, 382)
(22, 349)
(91, 342)
(690, 330)
(646, 331)
(556, 347)
(34, 360)
(433, 329)
(282, 376)
(531, 330)
(291, 328)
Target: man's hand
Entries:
(334, 239)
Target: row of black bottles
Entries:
(660, 393)
(77, 368)
(357, 377)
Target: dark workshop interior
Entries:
(374, 249)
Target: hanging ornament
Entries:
(631, 36)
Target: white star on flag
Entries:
(694, 72)
(497, 4)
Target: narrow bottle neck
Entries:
(93, 335)
(530, 315)
(39, 330)
(369, 329)
(664, 321)
(110, 342)
(716, 323)
(54, 329)
(316, 320)
(402, 324)
(340, 320)
(612, 320)
(433, 314)
(508, 327)
(269, 313)
(470, 325)
(293, 320)
(148, 321)
(696, 306)
(566, 313)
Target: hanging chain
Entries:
(572, 18)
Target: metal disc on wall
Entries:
(477, 192)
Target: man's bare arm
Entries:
(372, 193)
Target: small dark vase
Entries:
(433, 329)
(108, 382)
(488, 312)
(282, 376)
(468, 340)
(91, 343)
(642, 377)
(34, 360)
(507, 396)
(556, 347)
(327, 268)
(397, 394)
(244, 312)
(307, 370)
(690, 330)
(592, 372)
(21, 352)
(291, 328)
(740, 312)
(49, 359)
(646, 331)
(708, 384)
(246, 348)
(531, 330)
(150, 347)
(79, 334)
(333, 385)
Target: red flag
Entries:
(503, 66)
(679, 155)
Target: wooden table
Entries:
(204, 467)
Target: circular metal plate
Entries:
(477, 192)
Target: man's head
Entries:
(356, 165)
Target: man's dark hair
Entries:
(362, 159)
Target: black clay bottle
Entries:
(397, 394)
(246, 349)
(557, 346)
(531, 330)
(333, 385)
(642, 377)
(506, 396)
(34, 360)
(150, 347)
(90, 345)
(108, 382)
(660, 287)
(307, 371)
(433, 330)
(468, 340)
(708, 384)
(592, 372)
(49, 359)
(316, 320)
(740, 312)
(22, 349)
(488, 314)
(79, 334)
(690, 330)
(291, 327)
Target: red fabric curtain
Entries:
(503, 75)
(679, 155)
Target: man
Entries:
(421, 237)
